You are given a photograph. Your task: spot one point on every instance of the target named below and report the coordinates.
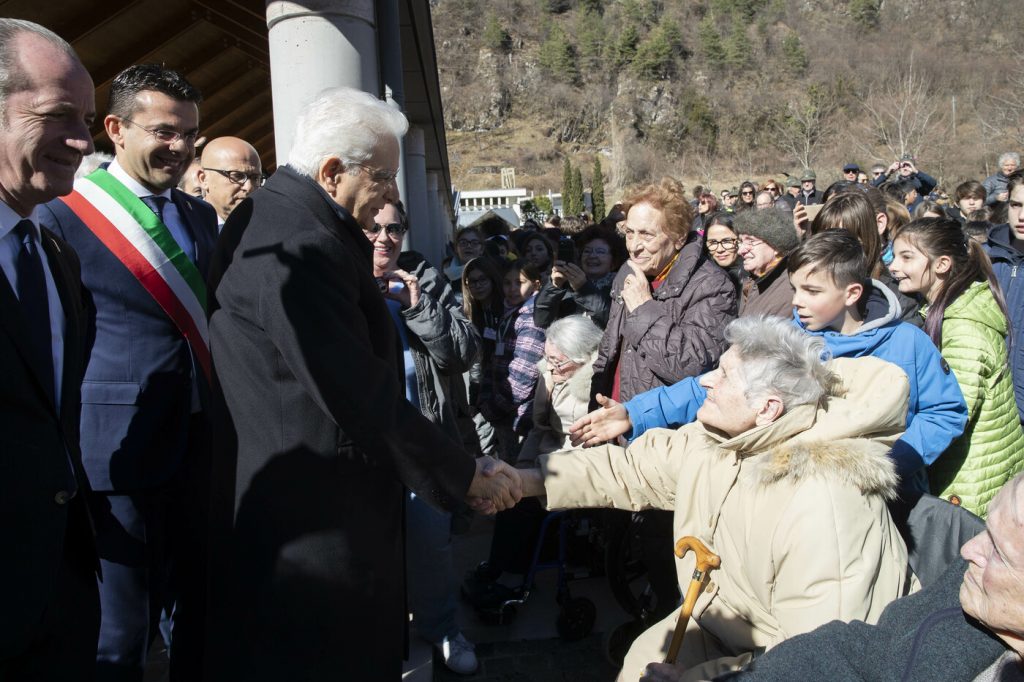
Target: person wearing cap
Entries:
(808, 194)
(766, 239)
(904, 169)
(850, 172)
(731, 197)
(792, 190)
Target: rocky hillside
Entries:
(716, 91)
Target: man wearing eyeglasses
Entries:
(230, 171)
(320, 444)
(144, 247)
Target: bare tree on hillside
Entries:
(902, 113)
(1002, 118)
(806, 122)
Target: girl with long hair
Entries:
(966, 317)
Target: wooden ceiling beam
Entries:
(227, 124)
(85, 23)
(146, 47)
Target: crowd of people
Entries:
(240, 418)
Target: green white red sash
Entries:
(140, 240)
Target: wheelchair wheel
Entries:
(626, 571)
(576, 619)
(617, 643)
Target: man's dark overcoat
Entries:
(314, 445)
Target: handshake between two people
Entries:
(497, 486)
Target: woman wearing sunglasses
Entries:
(439, 343)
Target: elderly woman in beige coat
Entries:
(785, 476)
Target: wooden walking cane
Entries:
(706, 562)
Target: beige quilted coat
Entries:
(795, 509)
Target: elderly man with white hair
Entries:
(784, 476)
(995, 184)
(317, 442)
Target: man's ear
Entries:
(853, 293)
(114, 128)
(770, 411)
(328, 174)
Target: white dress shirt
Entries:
(10, 247)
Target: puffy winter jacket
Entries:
(677, 334)
(442, 341)
(796, 509)
(1008, 264)
(593, 300)
(991, 450)
(936, 412)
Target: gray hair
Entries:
(12, 76)
(344, 123)
(779, 359)
(576, 336)
(1008, 156)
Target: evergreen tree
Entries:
(597, 190)
(655, 56)
(737, 47)
(495, 36)
(591, 35)
(710, 42)
(793, 54)
(558, 58)
(865, 13)
(625, 46)
(577, 188)
(567, 181)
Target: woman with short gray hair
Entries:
(563, 391)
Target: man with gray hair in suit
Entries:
(317, 440)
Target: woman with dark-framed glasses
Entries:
(722, 244)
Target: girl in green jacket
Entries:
(966, 318)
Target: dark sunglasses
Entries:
(393, 229)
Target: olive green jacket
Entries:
(991, 450)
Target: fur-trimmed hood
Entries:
(858, 462)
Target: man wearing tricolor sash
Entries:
(145, 247)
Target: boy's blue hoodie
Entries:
(936, 411)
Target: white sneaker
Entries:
(459, 655)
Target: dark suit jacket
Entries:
(318, 441)
(136, 396)
(35, 444)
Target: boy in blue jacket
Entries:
(856, 316)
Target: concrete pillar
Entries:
(436, 248)
(415, 163)
(390, 36)
(317, 44)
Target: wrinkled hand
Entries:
(892, 167)
(408, 295)
(635, 290)
(662, 672)
(606, 423)
(496, 486)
